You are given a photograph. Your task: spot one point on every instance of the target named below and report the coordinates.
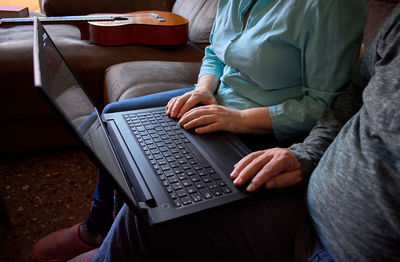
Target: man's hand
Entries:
(272, 168)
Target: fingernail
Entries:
(237, 180)
(251, 187)
(270, 184)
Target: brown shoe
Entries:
(60, 245)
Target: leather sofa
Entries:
(108, 73)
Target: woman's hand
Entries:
(272, 168)
(203, 94)
(179, 105)
(211, 118)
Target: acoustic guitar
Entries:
(157, 28)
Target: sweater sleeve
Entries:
(321, 136)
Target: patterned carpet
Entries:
(42, 193)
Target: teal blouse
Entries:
(292, 56)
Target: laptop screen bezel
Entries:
(39, 73)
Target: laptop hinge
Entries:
(104, 119)
(143, 205)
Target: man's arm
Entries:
(280, 167)
(321, 136)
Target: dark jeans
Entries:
(274, 227)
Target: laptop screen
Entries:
(62, 89)
(60, 84)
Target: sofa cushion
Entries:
(201, 14)
(16, 42)
(134, 79)
(378, 10)
(84, 7)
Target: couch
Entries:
(108, 73)
(27, 122)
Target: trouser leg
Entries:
(100, 216)
(262, 228)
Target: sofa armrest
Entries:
(84, 7)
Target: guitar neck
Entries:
(83, 18)
(61, 19)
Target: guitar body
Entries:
(146, 28)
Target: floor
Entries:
(42, 193)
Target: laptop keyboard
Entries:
(185, 174)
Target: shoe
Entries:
(85, 257)
(60, 245)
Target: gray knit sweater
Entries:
(354, 191)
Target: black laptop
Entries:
(163, 171)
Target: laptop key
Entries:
(177, 203)
(200, 184)
(187, 183)
(173, 195)
(196, 197)
(212, 185)
(191, 189)
(226, 189)
(206, 193)
(186, 200)
(181, 193)
(216, 191)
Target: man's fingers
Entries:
(243, 163)
(252, 169)
(287, 179)
(266, 167)
(271, 169)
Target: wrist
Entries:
(207, 84)
(256, 120)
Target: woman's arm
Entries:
(329, 57)
(210, 72)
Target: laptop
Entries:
(163, 171)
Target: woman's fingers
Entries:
(178, 106)
(189, 104)
(178, 103)
(211, 118)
